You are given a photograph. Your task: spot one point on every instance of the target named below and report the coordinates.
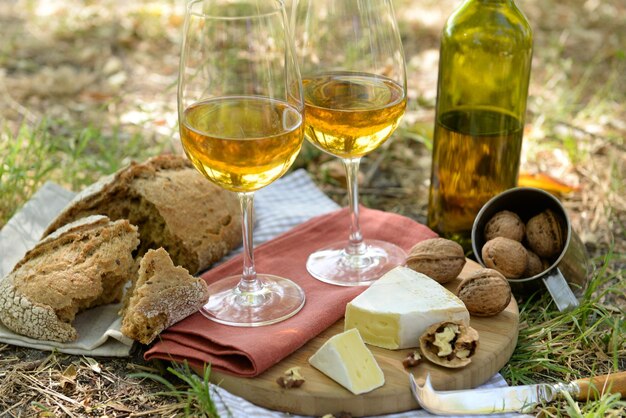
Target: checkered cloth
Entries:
(231, 405)
(288, 202)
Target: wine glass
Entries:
(240, 112)
(354, 80)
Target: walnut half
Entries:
(449, 344)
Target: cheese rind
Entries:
(397, 308)
(345, 359)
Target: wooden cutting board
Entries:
(320, 395)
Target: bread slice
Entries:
(82, 265)
(161, 296)
(173, 205)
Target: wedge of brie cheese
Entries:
(345, 359)
(397, 308)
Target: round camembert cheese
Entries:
(397, 308)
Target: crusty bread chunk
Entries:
(161, 296)
(82, 265)
(173, 205)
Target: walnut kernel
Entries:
(412, 360)
(291, 378)
(449, 344)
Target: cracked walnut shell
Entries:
(449, 344)
(485, 292)
(438, 258)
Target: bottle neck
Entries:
(492, 2)
(488, 4)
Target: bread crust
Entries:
(173, 205)
(162, 295)
(85, 264)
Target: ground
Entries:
(86, 86)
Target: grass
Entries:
(24, 167)
(587, 340)
(575, 132)
(55, 151)
(196, 394)
(590, 340)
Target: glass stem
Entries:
(355, 242)
(249, 282)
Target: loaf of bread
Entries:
(161, 295)
(173, 205)
(81, 265)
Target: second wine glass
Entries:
(354, 81)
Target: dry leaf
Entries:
(68, 378)
(545, 182)
(119, 407)
(93, 365)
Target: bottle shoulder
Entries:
(476, 22)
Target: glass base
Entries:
(276, 300)
(335, 266)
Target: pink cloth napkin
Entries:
(250, 351)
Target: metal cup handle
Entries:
(559, 290)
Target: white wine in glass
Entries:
(240, 111)
(242, 143)
(354, 79)
(350, 115)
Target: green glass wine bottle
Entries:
(484, 71)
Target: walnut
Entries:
(412, 360)
(505, 224)
(544, 233)
(449, 344)
(507, 256)
(535, 265)
(291, 378)
(438, 258)
(485, 293)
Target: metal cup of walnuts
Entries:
(526, 234)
